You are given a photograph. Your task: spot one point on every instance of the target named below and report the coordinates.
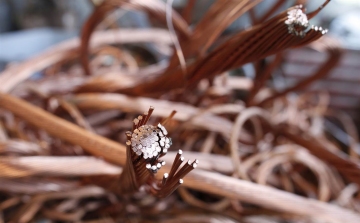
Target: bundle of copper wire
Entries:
(145, 145)
(73, 147)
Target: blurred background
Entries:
(28, 27)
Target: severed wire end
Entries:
(135, 123)
(165, 177)
(148, 115)
(319, 29)
(149, 143)
(297, 21)
(143, 118)
(165, 121)
(140, 118)
(128, 135)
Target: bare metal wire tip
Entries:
(150, 143)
